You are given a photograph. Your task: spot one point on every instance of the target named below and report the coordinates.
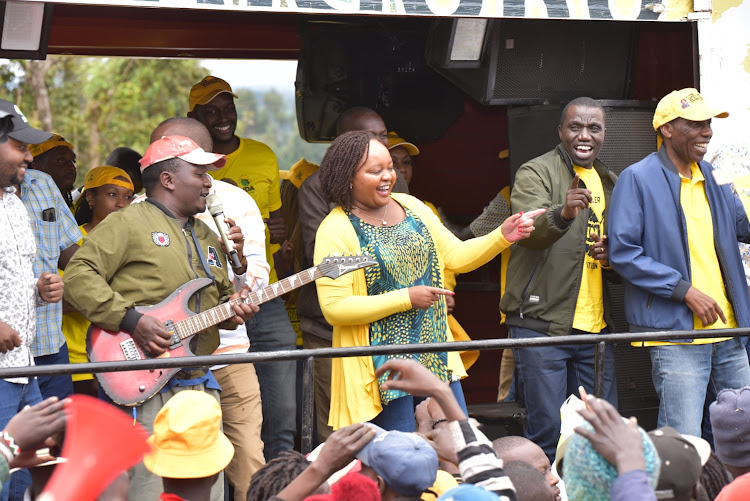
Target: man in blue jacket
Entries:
(673, 239)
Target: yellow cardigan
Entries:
(347, 307)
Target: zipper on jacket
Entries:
(189, 251)
(648, 302)
(528, 286)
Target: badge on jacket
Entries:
(160, 238)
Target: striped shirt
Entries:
(477, 461)
(39, 193)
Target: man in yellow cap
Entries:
(252, 166)
(673, 238)
(56, 157)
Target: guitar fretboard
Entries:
(218, 314)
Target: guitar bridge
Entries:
(129, 350)
(175, 342)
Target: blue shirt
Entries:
(53, 234)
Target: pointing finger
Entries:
(574, 184)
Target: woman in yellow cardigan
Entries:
(401, 299)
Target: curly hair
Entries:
(340, 163)
(276, 475)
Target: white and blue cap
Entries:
(407, 463)
(20, 129)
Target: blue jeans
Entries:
(13, 398)
(683, 374)
(399, 414)
(55, 386)
(270, 330)
(548, 375)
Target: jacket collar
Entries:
(167, 212)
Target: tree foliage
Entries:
(101, 103)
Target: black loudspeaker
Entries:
(532, 131)
(381, 67)
(536, 61)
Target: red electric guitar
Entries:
(136, 387)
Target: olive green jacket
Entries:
(544, 270)
(138, 256)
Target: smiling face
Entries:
(106, 199)
(402, 162)
(14, 160)
(219, 116)
(582, 134)
(686, 141)
(60, 163)
(374, 179)
(190, 187)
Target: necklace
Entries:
(371, 218)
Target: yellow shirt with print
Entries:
(589, 313)
(253, 167)
(705, 273)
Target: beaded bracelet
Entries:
(15, 449)
(5, 452)
(437, 422)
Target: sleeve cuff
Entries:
(560, 221)
(678, 294)
(130, 320)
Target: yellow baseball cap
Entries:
(395, 140)
(687, 104)
(301, 171)
(207, 89)
(187, 440)
(106, 174)
(53, 142)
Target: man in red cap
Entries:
(140, 255)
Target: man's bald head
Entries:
(183, 126)
(361, 118)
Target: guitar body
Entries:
(135, 387)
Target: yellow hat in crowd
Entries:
(395, 140)
(301, 171)
(187, 440)
(207, 89)
(687, 104)
(53, 142)
(99, 176)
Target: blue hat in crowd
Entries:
(469, 492)
(407, 463)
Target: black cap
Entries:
(21, 130)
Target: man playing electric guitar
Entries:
(140, 255)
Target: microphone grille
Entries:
(214, 204)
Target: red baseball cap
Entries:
(180, 147)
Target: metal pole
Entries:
(599, 363)
(308, 416)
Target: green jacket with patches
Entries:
(544, 270)
(138, 256)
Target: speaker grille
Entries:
(532, 62)
(630, 137)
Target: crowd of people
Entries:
(103, 270)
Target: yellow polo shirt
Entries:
(253, 167)
(704, 264)
(589, 314)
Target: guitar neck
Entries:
(219, 314)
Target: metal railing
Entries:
(307, 356)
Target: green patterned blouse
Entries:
(406, 257)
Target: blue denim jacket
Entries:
(648, 244)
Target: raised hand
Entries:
(575, 199)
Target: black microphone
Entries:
(217, 212)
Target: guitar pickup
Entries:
(175, 341)
(130, 350)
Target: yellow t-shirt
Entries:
(74, 328)
(589, 314)
(705, 272)
(253, 167)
